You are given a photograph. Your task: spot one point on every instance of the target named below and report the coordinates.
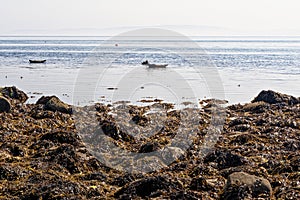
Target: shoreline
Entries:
(49, 146)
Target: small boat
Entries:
(37, 61)
(154, 65)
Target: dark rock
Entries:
(256, 107)
(62, 137)
(53, 103)
(123, 179)
(15, 94)
(149, 147)
(140, 120)
(38, 112)
(200, 183)
(4, 104)
(224, 159)
(272, 97)
(66, 157)
(242, 139)
(295, 163)
(147, 187)
(237, 121)
(241, 185)
(182, 195)
(110, 129)
(99, 176)
(11, 173)
(16, 151)
(242, 127)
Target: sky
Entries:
(233, 17)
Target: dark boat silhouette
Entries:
(154, 65)
(37, 61)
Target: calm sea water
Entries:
(245, 66)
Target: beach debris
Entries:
(53, 103)
(241, 185)
(4, 104)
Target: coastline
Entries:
(41, 147)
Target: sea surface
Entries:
(82, 70)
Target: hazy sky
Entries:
(253, 16)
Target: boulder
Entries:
(241, 185)
(53, 103)
(4, 104)
(14, 94)
(272, 97)
(147, 187)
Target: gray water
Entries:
(245, 66)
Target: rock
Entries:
(149, 147)
(13, 93)
(53, 103)
(4, 105)
(200, 183)
(256, 107)
(272, 97)
(61, 137)
(241, 185)
(147, 187)
(224, 159)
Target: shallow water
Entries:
(243, 66)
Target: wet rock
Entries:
(149, 147)
(241, 185)
(242, 127)
(237, 121)
(200, 184)
(11, 173)
(17, 151)
(15, 94)
(140, 120)
(99, 176)
(242, 139)
(62, 137)
(65, 156)
(4, 104)
(256, 107)
(53, 103)
(38, 112)
(49, 187)
(147, 187)
(272, 97)
(182, 195)
(110, 129)
(224, 159)
(125, 179)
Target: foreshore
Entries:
(44, 152)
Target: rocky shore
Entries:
(256, 154)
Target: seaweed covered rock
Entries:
(13, 93)
(53, 103)
(272, 97)
(4, 105)
(224, 159)
(148, 187)
(241, 185)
